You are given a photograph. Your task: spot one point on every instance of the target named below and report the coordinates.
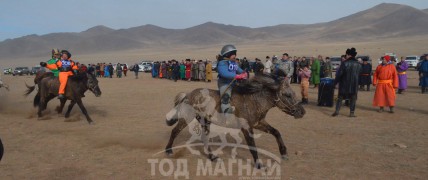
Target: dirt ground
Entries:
(130, 129)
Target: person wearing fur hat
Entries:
(50, 64)
(385, 79)
(347, 78)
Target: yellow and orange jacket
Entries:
(63, 65)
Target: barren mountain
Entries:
(382, 21)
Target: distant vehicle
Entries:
(21, 71)
(214, 66)
(146, 63)
(412, 60)
(335, 62)
(392, 55)
(35, 69)
(146, 66)
(7, 71)
(363, 57)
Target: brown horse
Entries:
(77, 85)
(252, 100)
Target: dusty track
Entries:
(130, 128)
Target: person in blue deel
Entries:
(228, 71)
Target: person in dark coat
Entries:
(175, 70)
(136, 69)
(365, 75)
(110, 70)
(246, 66)
(295, 78)
(258, 67)
(423, 75)
(347, 78)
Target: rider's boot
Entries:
(61, 96)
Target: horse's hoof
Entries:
(258, 165)
(212, 157)
(169, 152)
(91, 123)
(284, 157)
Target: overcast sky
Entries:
(24, 17)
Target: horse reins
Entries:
(278, 100)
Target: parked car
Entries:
(392, 55)
(214, 66)
(363, 57)
(7, 71)
(146, 66)
(35, 69)
(412, 60)
(21, 71)
(335, 62)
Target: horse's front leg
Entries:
(248, 134)
(83, 109)
(174, 133)
(70, 107)
(267, 128)
(205, 137)
(61, 106)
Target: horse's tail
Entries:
(29, 90)
(171, 116)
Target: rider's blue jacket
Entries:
(227, 70)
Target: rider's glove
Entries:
(241, 76)
(43, 64)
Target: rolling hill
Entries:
(382, 21)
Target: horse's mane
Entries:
(79, 76)
(259, 83)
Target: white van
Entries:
(412, 60)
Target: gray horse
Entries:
(252, 100)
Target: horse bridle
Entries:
(291, 109)
(91, 88)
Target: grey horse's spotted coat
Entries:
(252, 100)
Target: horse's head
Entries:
(286, 99)
(92, 84)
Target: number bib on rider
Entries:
(65, 63)
(233, 67)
